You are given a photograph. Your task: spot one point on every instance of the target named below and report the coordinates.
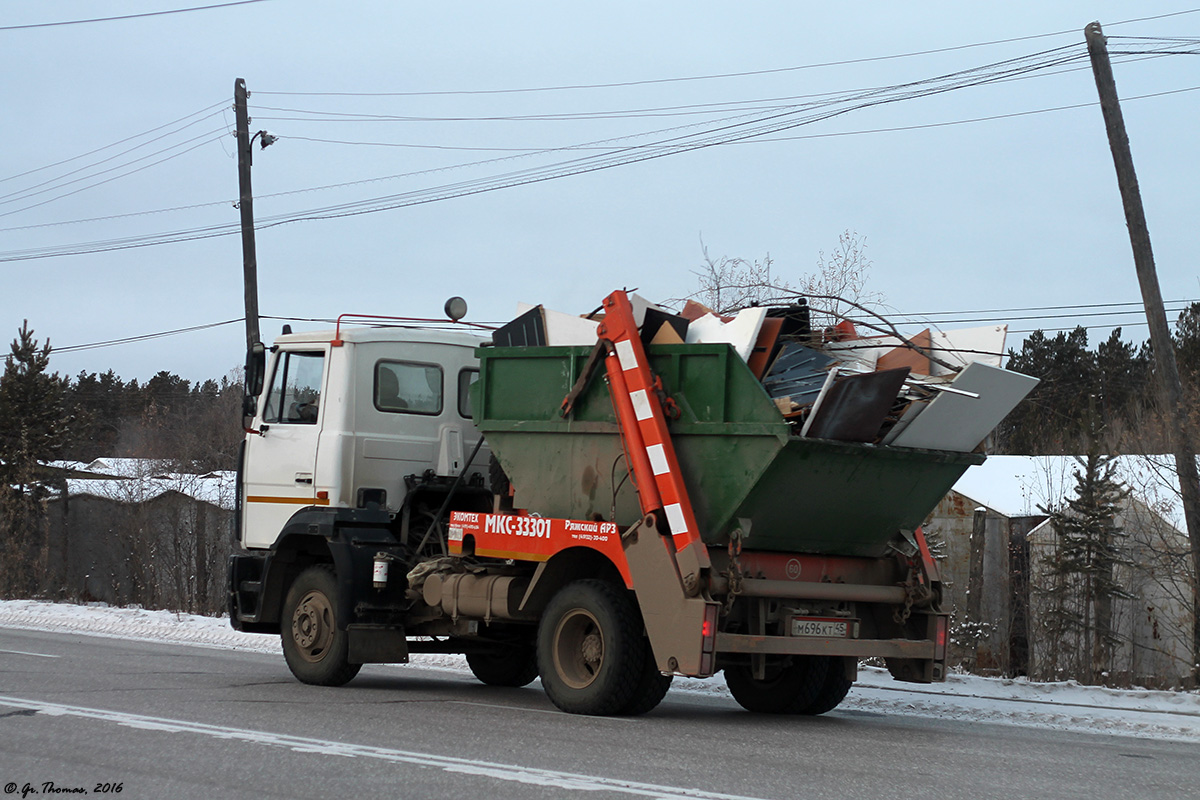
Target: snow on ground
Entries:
(1065, 706)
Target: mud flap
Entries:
(377, 644)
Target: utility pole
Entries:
(246, 206)
(1156, 315)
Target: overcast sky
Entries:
(1008, 213)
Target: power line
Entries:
(209, 204)
(114, 144)
(914, 319)
(1137, 303)
(832, 99)
(195, 328)
(923, 126)
(694, 109)
(28, 190)
(750, 73)
(669, 148)
(597, 145)
(726, 131)
(74, 348)
(578, 147)
(207, 138)
(127, 16)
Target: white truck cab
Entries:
(355, 420)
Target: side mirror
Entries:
(256, 368)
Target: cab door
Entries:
(280, 462)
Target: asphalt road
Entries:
(179, 722)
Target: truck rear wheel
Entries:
(790, 686)
(591, 652)
(315, 650)
(833, 691)
(516, 665)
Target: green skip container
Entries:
(742, 465)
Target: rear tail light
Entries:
(708, 631)
(708, 640)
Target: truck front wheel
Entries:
(315, 650)
(790, 686)
(591, 652)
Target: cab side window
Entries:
(295, 395)
(466, 379)
(408, 387)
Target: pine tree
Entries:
(1049, 420)
(33, 429)
(1187, 343)
(1081, 575)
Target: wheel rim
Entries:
(578, 648)
(313, 626)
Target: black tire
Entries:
(315, 650)
(516, 665)
(790, 687)
(833, 691)
(652, 688)
(591, 651)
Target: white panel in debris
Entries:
(984, 345)
(742, 332)
(564, 329)
(959, 423)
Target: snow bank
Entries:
(1064, 706)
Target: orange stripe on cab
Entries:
(298, 501)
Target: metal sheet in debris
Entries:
(797, 373)
(959, 423)
(856, 406)
(527, 330)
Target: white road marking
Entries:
(536, 710)
(23, 653)
(466, 766)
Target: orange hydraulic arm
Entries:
(637, 395)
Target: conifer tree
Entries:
(33, 429)
(1082, 581)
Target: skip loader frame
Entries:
(685, 589)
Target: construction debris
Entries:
(939, 390)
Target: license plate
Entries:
(821, 628)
